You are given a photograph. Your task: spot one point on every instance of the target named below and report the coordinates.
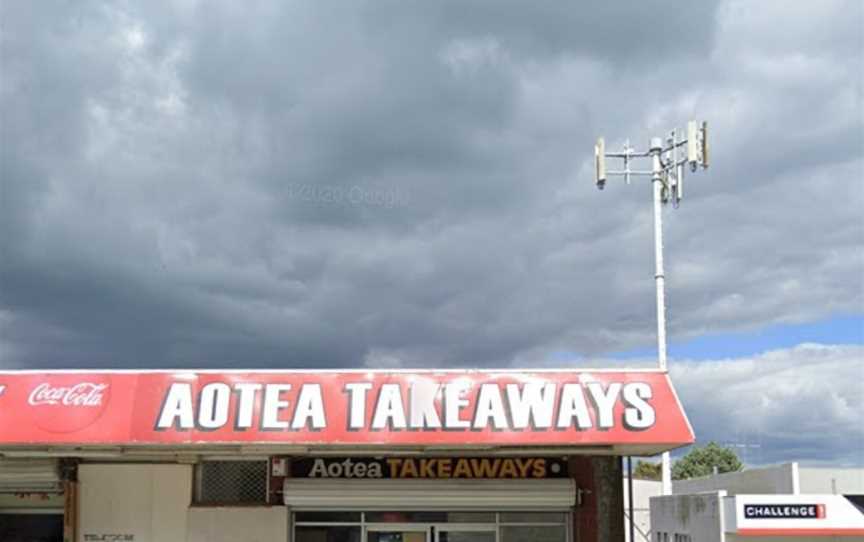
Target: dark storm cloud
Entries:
(158, 161)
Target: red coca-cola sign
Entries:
(85, 394)
(64, 403)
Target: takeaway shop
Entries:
(326, 456)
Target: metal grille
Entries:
(232, 482)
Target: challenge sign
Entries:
(430, 467)
(423, 408)
(784, 511)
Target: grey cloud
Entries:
(802, 403)
(799, 404)
(151, 157)
(618, 32)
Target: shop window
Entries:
(331, 533)
(533, 517)
(430, 517)
(443, 526)
(466, 536)
(231, 482)
(512, 533)
(327, 517)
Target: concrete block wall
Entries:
(831, 481)
(769, 480)
(699, 516)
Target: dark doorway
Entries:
(31, 527)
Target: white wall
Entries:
(832, 481)
(769, 480)
(152, 503)
(696, 515)
(777, 480)
(643, 490)
(146, 501)
(238, 524)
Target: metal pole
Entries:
(659, 276)
(630, 498)
(660, 282)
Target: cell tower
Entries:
(668, 161)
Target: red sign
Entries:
(424, 408)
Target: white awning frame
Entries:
(29, 476)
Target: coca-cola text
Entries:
(85, 394)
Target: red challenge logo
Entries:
(68, 403)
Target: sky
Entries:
(392, 183)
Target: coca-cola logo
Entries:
(85, 394)
(68, 403)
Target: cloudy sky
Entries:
(408, 184)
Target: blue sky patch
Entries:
(846, 329)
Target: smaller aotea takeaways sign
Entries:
(342, 408)
(430, 467)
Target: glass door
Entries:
(398, 533)
(465, 533)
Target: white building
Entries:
(643, 492)
(784, 503)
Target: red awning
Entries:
(614, 412)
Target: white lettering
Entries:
(536, 401)
(389, 408)
(213, 405)
(310, 408)
(604, 402)
(348, 468)
(454, 402)
(177, 408)
(490, 405)
(273, 404)
(374, 471)
(345, 469)
(319, 469)
(357, 404)
(572, 405)
(639, 414)
(246, 392)
(422, 405)
(85, 394)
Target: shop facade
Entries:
(331, 456)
